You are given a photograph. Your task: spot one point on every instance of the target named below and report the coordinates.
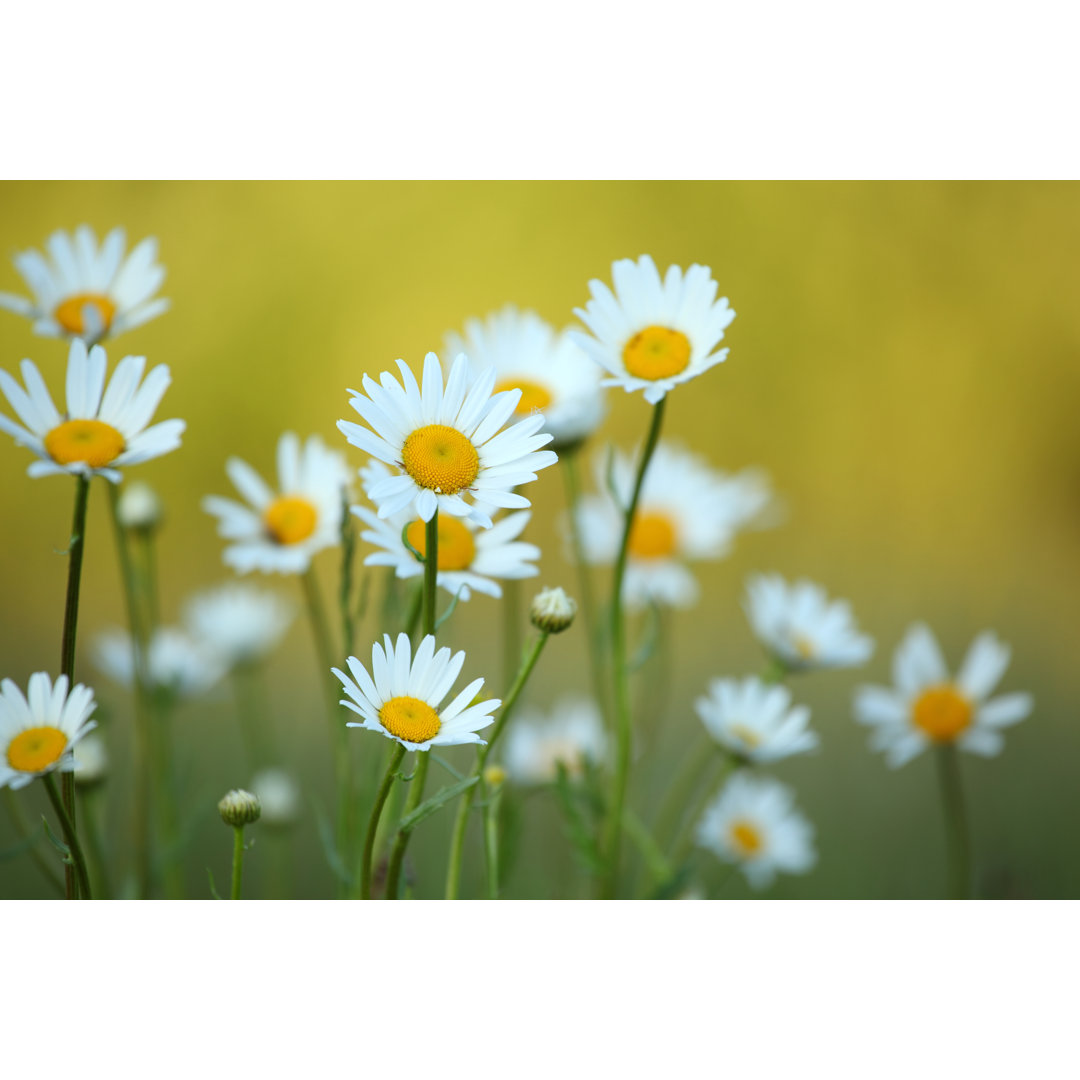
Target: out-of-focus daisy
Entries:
(801, 628)
(239, 623)
(91, 760)
(83, 291)
(103, 428)
(402, 695)
(928, 707)
(650, 334)
(687, 512)
(174, 661)
(570, 734)
(280, 531)
(279, 795)
(753, 823)
(449, 443)
(754, 720)
(39, 731)
(469, 557)
(555, 377)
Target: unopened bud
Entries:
(239, 808)
(278, 796)
(552, 611)
(139, 507)
(494, 776)
(91, 761)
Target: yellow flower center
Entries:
(652, 536)
(744, 734)
(457, 549)
(533, 395)
(656, 353)
(942, 713)
(290, 519)
(410, 719)
(91, 441)
(69, 312)
(36, 749)
(804, 646)
(746, 838)
(440, 458)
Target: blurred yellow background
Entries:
(904, 364)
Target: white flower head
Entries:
(570, 734)
(91, 760)
(755, 721)
(687, 512)
(238, 622)
(103, 428)
(38, 732)
(139, 506)
(801, 627)
(469, 557)
(448, 443)
(279, 531)
(279, 795)
(754, 824)
(175, 662)
(652, 334)
(401, 697)
(555, 376)
(86, 292)
(927, 707)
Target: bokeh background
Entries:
(904, 364)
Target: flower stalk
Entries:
(957, 839)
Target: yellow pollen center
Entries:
(91, 441)
(652, 536)
(69, 312)
(441, 459)
(656, 353)
(942, 713)
(410, 719)
(745, 838)
(533, 395)
(747, 737)
(457, 549)
(290, 519)
(803, 646)
(36, 749)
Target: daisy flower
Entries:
(401, 697)
(469, 557)
(554, 376)
(571, 734)
(446, 442)
(755, 721)
(279, 795)
(83, 291)
(103, 427)
(799, 626)
(687, 512)
(753, 823)
(38, 732)
(91, 760)
(237, 622)
(174, 661)
(280, 531)
(650, 334)
(927, 707)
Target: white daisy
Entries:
(280, 531)
(447, 442)
(556, 378)
(402, 695)
(279, 795)
(755, 721)
(38, 732)
(687, 511)
(174, 661)
(799, 626)
(753, 823)
(238, 622)
(927, 707)
(650, 334)
(103, 427)
(469, 557)
(91, 760)
(570, 734)
(83, 291)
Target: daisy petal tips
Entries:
(449, 442)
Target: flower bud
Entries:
(91, 761)
(239, 808)
(552, 611)
(139, 507)
(494, 776)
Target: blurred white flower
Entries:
(279, 794)
(91, 760)
(174, 661)
(755, 720)
(237, 622)
(570, 733)
(139, 506)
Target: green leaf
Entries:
(329, 845)
(405, 540)
(213, 888)
(429, 806)
(650, 639)
(57, 843)
(450, 610)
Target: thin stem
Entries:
(621, 673)
(491, 838)
(635, 828)
(237, 861)
(956, 824)
(412, 616)
(373, 821)
(431, 572)
(71, 838)
(18, 819)
(511, 635)
(733, 764)
(95, 850)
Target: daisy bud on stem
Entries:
(140, 508)
(552, 611)
(239, 808)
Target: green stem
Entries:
(431, 572)
(610, 878)
(491, 838)
(95, 850)
(18, 819)
(71, 838)
(511, 635)
(685, 785)
(956, 823)
(373, 821)
(237, 861)
(698, 808)
(457, 842)
(635, 828)
(412, 616)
